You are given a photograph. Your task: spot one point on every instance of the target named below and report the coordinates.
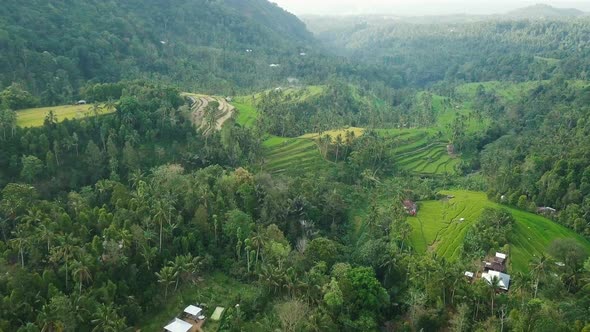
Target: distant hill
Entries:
(53, 48)
(544, 11)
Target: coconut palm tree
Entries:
(106, 319)
(64, 252)
(184, 267)
(166, 276)
(21, 242)
(494, 287)
(48, 322)
(45, 233)
(539, 269)
(81, 273)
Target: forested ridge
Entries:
(357, 191)
(423, 54)
(54, 48)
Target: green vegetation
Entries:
(294, 214)
(295, 155)
(438, 228)
(34, 117)
(247, 113)
(215, 290)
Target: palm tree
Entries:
(21, 241)
(183, 266)
(81, 273)
(64, 252)
(110, 105)
(106, 319)
(166, 276)
(45, 233)
(256, 241)
(162, 211)
(338, 145)
(539, 269)
(494, 286)
(48, 322)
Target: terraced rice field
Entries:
(418, 151)
(438, 227)
(293, 155)
(198, 106)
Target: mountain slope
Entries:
(544, 11)
(54, 47)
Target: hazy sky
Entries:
(417, 7)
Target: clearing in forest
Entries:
(439, 227)
(34, 117)
(199, 118)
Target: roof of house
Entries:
(469, 274)
(503, 279)
(500, 255)
(178, 325)
(496, 266)
(193, 310)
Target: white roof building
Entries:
(469, 274)
(178, 325)
(501, 255)
(503, 279)
(193, 310)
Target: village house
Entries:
(503, 279)
(495, 268)
(411, 207)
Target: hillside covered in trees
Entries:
(53, 48)
(384, 175)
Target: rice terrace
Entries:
(440, 227)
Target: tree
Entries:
(461, 319)
(81, 273)
(166, 277)
(494, 285)
(32, 168)
(15, 97)
(106, 319)
(162, 208)
(58, 315)
(333, 295)
(290, 314)
(527, 318)
(65, 251)
(184, 267)
(539, 268)
(21, 242)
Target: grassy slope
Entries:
(217, 290)
(247, 113)
(34, 117)
(293, 155)
(437, 228)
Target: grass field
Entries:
(217, 290)
(438, 228)
(34, 117)
(247, 113)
